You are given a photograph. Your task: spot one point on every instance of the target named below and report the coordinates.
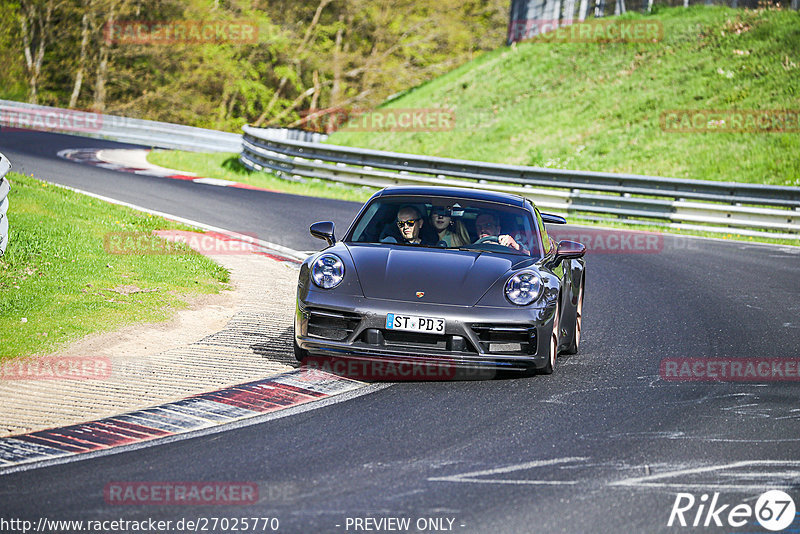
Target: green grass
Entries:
(225, 165)
(58, 283)
(596, 107)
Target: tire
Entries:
(299, 354)
(576, 339)
(553, 352)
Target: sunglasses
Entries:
(407, 224)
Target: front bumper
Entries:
(475, 338)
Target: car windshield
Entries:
(447, 223)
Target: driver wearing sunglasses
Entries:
(410, 222)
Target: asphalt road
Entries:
(274, 217)
(602, 445)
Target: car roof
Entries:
(433, 191)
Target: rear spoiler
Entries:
(553, 219)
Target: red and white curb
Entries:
(196, 413)
(135, 161)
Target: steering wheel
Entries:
(488, 239)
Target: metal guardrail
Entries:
(5, 166)
(19, 115)
(750, 209)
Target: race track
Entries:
(604, 444)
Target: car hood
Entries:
(453, 277)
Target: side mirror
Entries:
(323, 230)
(568, 250)
(553, 219)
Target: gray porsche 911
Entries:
(436, 277)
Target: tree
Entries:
(34, 18)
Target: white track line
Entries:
(285, 251)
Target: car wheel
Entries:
(576, 339)
(299, 354)
(553, 352)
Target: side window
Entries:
(367, 229)
(545, 238)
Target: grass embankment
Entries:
(58, 282)
(596, 107)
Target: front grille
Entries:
(506, 339)
(333, 325)
(398, 339)
(414, 339)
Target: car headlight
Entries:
(523, 288)
(327, 271)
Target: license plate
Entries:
(414, 323)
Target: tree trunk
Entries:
(102, 67)
(569, 12)
(31, 20)
(336, 87)
(599, 9)
(583, 10)
(315, 98)
(555, 14)
(76, 90)
(26, 47)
